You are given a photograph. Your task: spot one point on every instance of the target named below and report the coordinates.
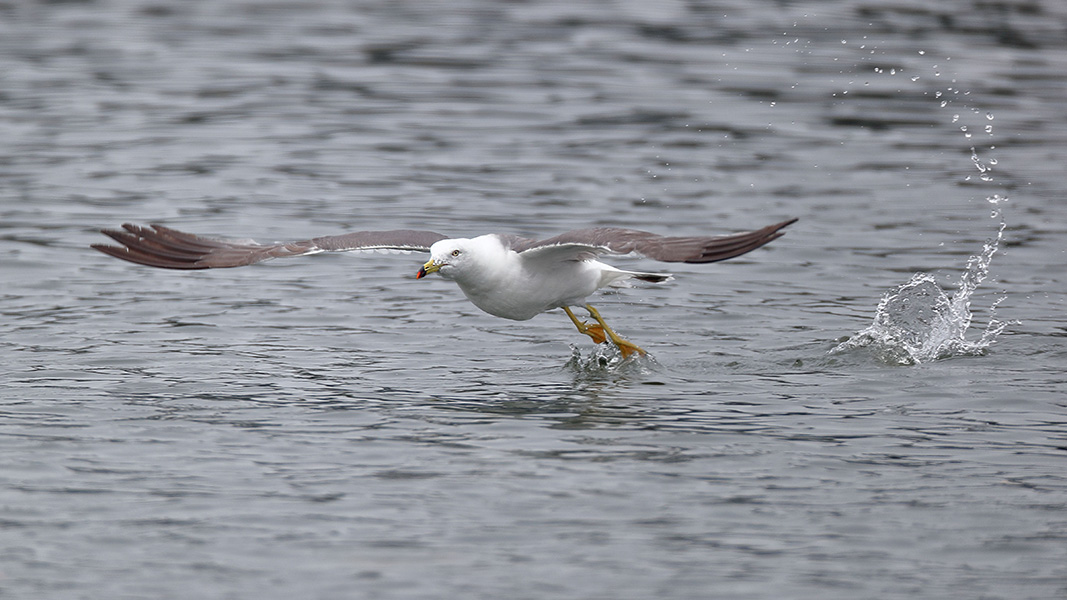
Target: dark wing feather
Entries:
(167, 248)
(663, 248)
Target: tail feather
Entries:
(610, 276)
(653, 277)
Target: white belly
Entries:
(525, 293)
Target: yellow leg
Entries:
(627, 348)
(594, 331)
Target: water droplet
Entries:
(892, 71)
(989, 129)
(992, 161)
(955, 117)
(989, 116)
(937, 94)
(916, 78)
(922, 51)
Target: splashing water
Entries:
(605, 359)
(917, 322)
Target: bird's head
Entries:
(469, 262)
(447, 257)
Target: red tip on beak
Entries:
(421, 273)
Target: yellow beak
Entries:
(430, 267)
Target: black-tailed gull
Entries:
(504, 275)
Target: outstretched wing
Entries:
(163, 247)
(611, 240)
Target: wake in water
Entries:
(917, 322)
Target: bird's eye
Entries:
(455, 253)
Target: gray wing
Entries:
(167, 248)
(611, 240)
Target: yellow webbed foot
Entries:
(626, 348)
(592, 330)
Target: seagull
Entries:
(504, 275)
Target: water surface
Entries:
(329, 427)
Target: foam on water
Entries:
(917, 322)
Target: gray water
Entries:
(329, 427)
